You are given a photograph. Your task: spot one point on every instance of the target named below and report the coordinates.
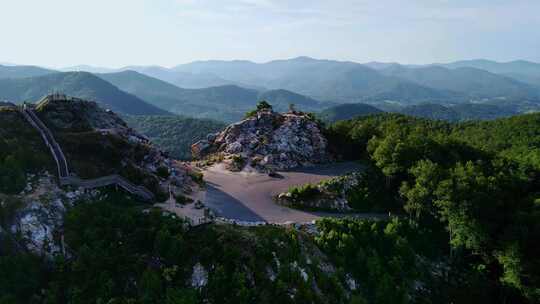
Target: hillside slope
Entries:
(325, 80)
(174, 134)
(22, 71)
(347, 111)
(471, 82)
(453, 113)
(78, 84)
(22, 151)
(520, 67)
(226, 103)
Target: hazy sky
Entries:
(115, 33)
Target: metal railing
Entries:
(64, 176)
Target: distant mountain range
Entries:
(225, 103)
(472, 83)
(22, 71)
(454, 113)
(320, 79)
(352, 82)
(225, 90)
(346, 82)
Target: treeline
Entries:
(174, 134)
(476, 185)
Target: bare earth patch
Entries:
(248, 196)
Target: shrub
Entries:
(262, 105)
(238, 161)
(305, 192)
(163, 172)
(197, 177)
(182, 199)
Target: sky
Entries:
(116, 33)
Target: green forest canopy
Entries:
(476, 182)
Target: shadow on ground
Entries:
(227, 206)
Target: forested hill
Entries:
(77, 84)
(516, 138)
(454, 113)
(476, 184)
(347, 111)
(226, 103)
(174, 134)
(464, 200)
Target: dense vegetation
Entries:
(467, 197)
(21, 151)
(360, 190)
(174, 134)
(478, 182)
(393, 261)
(122, 255)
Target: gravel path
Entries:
(248, 196)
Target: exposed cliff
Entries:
(96, 143)
(267, 141)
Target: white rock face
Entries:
(41, 216)
(37, 224)
(270, 273)
(351, 282)
(199, 277)
(269, 141)
(303, 272)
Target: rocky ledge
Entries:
(91, 136)
(266, 141)
(329, 195)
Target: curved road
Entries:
(248, 196)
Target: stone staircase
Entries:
(64, 175)
(109, 180)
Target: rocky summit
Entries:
(266, 141)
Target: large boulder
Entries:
(268, 141)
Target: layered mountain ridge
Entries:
(310, 84)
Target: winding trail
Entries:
(64, 175)
(249, 196)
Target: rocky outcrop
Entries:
(267, 141)
(39, 219)
(64, 112)
(99, 150)
(328, 195)
(78, 123)
(199, 277)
